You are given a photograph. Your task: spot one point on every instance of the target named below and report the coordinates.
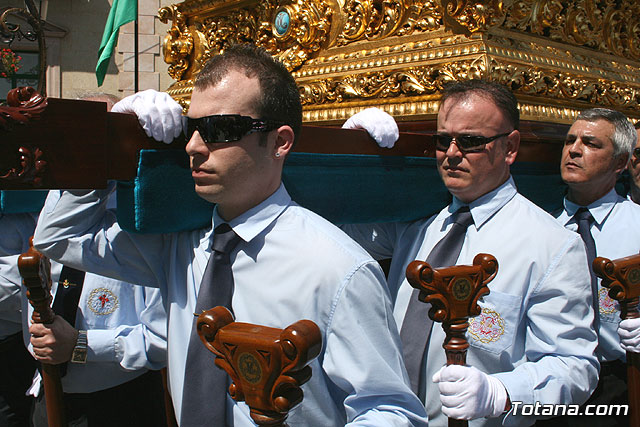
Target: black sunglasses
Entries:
(466, 143)
(228, 127)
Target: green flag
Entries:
(122, 11)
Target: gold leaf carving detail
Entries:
(178, 44)
(308, 31)
(373, 20)
(389, 84)
(609, 26)
(471, 16)
(564, 86)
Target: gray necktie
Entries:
(205, 385)
(584, 219)
(417, 325)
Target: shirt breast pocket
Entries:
(495, 328)
(609, 308)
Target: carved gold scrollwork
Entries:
(421, 17)
(359, 14)
(178, 44)
(582, 23)
(307, 29)
(538, 16)
(559, 85)
(309, 25)
(469, 16)
(372, 20)
(633, 36)
(389, 84)
(610, 26)
(238, 26)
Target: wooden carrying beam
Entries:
(622, 277)
(72, 144)
(267, 366)
(50, 143)
(35, 270)
(453, 293)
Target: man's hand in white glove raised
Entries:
(629, 333)
(159, 115)
(467, 393)
(380, 126)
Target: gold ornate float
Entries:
(558, 56)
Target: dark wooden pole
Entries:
(453, 293)
(35, 270)
(622, 277)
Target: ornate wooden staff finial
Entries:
(35, 270)
(622, 277)
(453, 293)
(267, 366)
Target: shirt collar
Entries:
(252, 222)
(599, 209)
(484, 207)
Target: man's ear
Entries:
(512, 146)
(620, 163)
(284, 142)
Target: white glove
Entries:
(380, 126)
(159, 115)
(467, 393)
(629, 333)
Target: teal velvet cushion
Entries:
(342, 188)
(161, 199)
(15, 201)
(347, 188)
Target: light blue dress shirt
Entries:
(616, 235)
(534, 333)
(291, 265)
(125, 324)
(12, 244)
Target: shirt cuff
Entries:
(519, 390)
(101, 345)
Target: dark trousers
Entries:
(136, 403)
(17, 368)
(611, 390)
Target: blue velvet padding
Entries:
(350, 188)
(541, 183)
(342, 188)
(161, 199)
(18, 201)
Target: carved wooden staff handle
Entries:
(35, 270)
(622, 277)
(267, 366)
(453, 293)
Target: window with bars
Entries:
(27, 75)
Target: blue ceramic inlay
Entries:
(282, 22)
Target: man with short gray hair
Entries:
(596, 150)
(634, 173)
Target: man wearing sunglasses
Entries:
(284, 262)
(533, 341)
(596, 151)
